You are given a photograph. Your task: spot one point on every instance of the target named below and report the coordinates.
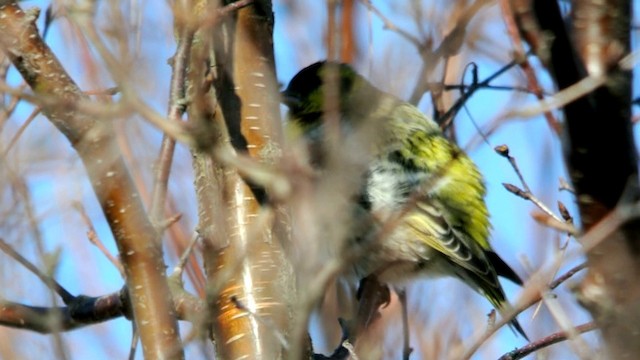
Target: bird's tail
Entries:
(494, 292)
(498, 300)
(488, 285)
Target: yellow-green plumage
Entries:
(415, 176)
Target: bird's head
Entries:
(312, 90)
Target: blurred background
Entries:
(45, 194)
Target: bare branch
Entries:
(47, 280)
(81, 311)
(21, 130)
(545, 342)
(95, 144)
(177, 98)
(512, 313)
(95, 240)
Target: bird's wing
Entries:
(432, 229)
(475, 264)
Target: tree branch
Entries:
(95, 144)
(545, 342)
(600, 150)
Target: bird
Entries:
(413, 177)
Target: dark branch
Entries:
(81, 311)
(545, 341)
(85, 310)
(446, 119)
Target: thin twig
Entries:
(446, 119)
(129, 94)
(135, 337)
(534, 84)
(527, 195)
(177, 92)
(503, 150)
(166, 223)
(47, 280)
(512, 313)
(92, 235)
(463, 87)
(560, 99)
(548, 221)
(21, 130)
(179, 268)
(545, 342)
(388, 24)
(561, 318)
(7, 111)
(450, 45)
(108, 91)
(564, 277)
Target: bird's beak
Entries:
(289, 99)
